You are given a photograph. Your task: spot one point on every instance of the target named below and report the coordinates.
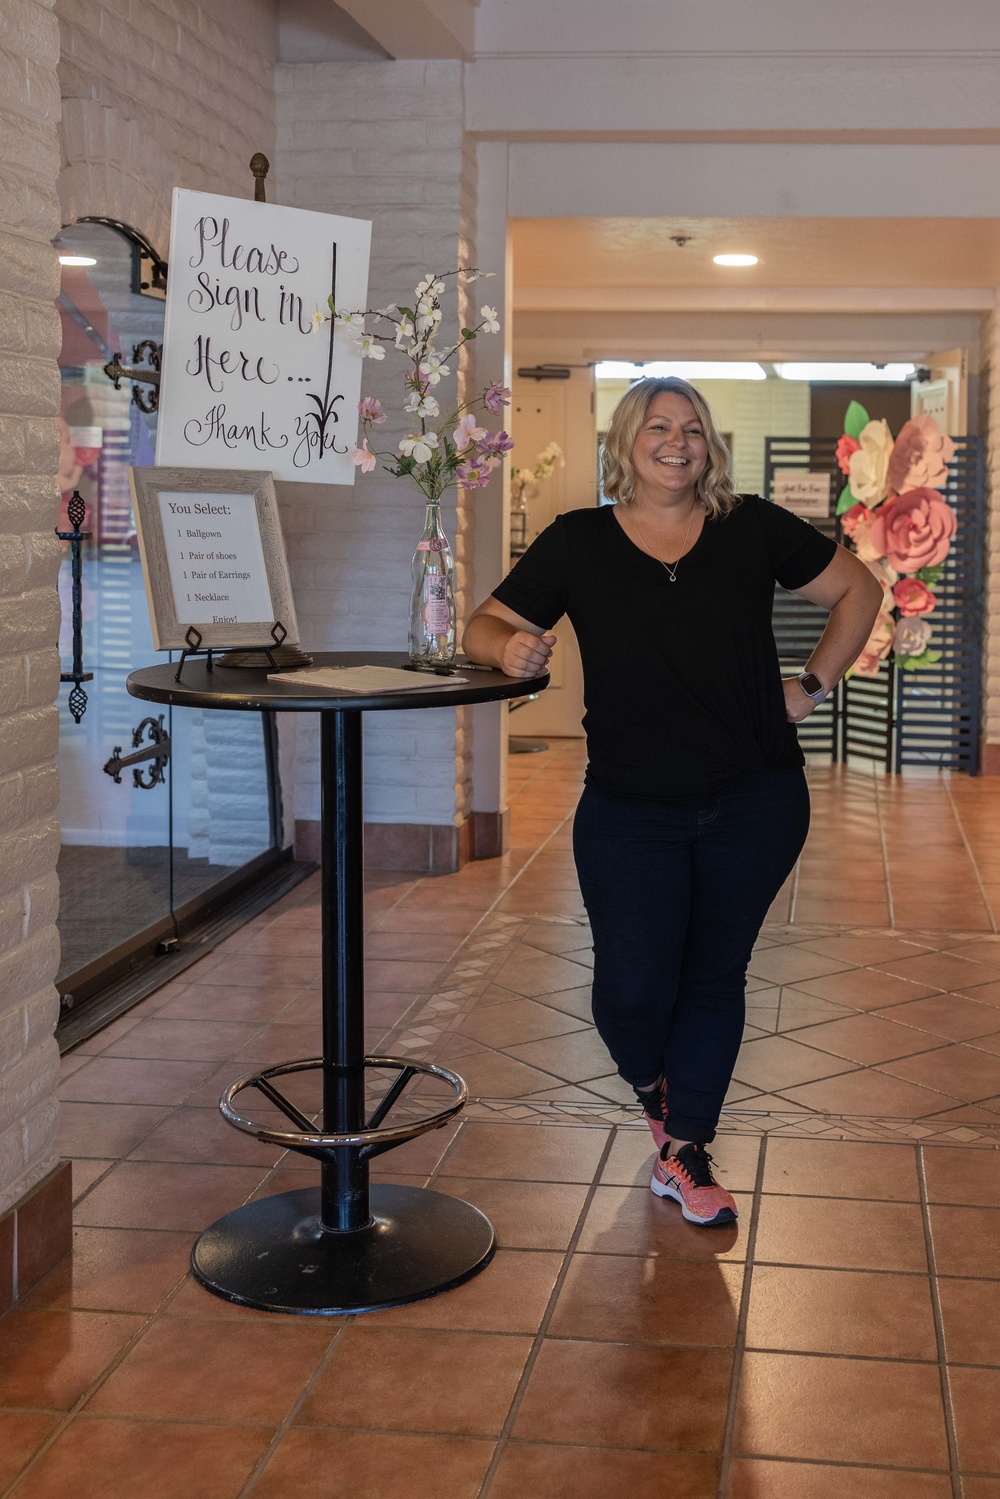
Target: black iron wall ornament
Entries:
(139, 373)
(149, 269)
(156, 749)
(76, 510)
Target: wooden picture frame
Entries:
(226, 561)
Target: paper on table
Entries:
(364, 679)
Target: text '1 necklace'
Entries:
(671, 568)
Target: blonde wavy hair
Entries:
(715, 484)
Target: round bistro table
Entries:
(345, 1246)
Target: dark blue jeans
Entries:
(676, 896)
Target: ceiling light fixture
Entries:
(685, 369)
(77, 260)
(735, 259)
(848, 374)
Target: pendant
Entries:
(673, 577)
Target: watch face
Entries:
(810, 683)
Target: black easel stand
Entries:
(194, 638)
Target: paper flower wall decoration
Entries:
(896, 520)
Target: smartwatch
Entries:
(811, 686)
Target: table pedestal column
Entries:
(343, 1246)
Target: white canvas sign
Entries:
(247, 382)
(805, 494)
(214, 557)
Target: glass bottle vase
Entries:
(432, 606)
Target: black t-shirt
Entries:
(681, 680)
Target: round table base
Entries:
(272, 1254)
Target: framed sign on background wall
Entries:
(213, 556)
(250, 376)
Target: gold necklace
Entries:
(671, 570)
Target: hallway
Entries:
(843, 1340)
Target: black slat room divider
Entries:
(898, 718)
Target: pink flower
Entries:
(475, 475)
(858, 515)
(495, 443)
(911, 637)
(878, 647)
(370, 410)
(914, 530)
(921, 456)
(364, 458)
(467, 432)
(495, 396)
(913, 597)
(845, 447)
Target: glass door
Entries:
(157, 810)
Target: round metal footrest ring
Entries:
(308, 1138)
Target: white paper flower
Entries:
(911, 637)
(423, 405)
(368, 347)
(433, 369)
(419, 448)
(887, 576)
(869, 466)
(490, 321)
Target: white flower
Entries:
(355, 321)
(317, 320)
(423, 405)
(419, 448)
(887, 576)
(869, 466)
(489, 317)
(368, 347)
(430, 284)
(404, 333)
(911, 637)
(433, 369)
(386, 311)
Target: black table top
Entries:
(235, 687)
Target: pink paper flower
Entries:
(914, 530)
(858, 515)
(911, 637)
(370, 410)
(364, 458)
(496, 396)
(878, 647)
(467, 432)
(845, 447)
(913, 597)
(921, 456)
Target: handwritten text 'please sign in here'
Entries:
(248, 382)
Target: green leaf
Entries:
(408, 312)
(918, 663)
(329, 303)
(855, 420)
(847, 500)
(930, 575)
(468, 333)
(406, 466)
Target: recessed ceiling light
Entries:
(77, 260)
(735, 259)
(685, 369)
(847, 374)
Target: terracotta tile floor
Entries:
(842, 1341)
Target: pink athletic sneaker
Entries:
(687, 1178)
(654, 1111)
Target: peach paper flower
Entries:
(858, 515)
(913, 530)
(868, 468)
(921, 456)
(878, 647)
(867, 548)
(912, 597)
(845, 447)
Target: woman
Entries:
(695, 807)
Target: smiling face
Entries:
(671, 451)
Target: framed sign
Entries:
(249, 377)
(805, 494)
(213, 556)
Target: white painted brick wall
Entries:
(382, 141)
(29, 610)
(160, 94)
